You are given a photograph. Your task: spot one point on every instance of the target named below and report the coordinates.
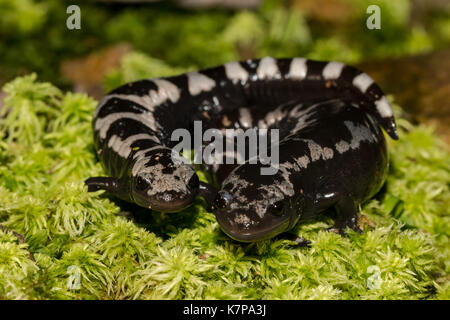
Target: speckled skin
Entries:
(306, 188)
(332, 150)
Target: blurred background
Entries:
(121, 41)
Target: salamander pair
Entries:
(332, 152)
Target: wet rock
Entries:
(327, 11)
(420, 9)
(87, 73)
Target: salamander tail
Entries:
(373, 100)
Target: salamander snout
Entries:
(159, 195)
(247, 223)
(165, 186)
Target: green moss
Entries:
(23, 15)
(34, 38)
(47, 151)
(136, 65)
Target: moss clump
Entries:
(119, 251)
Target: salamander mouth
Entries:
(167, 202)
(252, 230)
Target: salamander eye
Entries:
(222, 200)
(276, 208)
(193, 182)
(141, 184)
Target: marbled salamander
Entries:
(332, 150)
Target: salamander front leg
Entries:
(208, 192)
(346, 216)
(109, 184)
(300, 242)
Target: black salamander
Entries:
(332, 152)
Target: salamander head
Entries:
(252, 207)
(163, 185)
